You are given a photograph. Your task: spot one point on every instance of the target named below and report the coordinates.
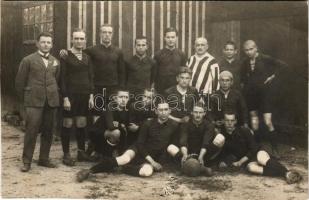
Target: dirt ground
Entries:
(40, 182)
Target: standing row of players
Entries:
(101, 69)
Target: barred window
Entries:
(37, 19)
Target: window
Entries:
(37, 19)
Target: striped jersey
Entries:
(205, 73)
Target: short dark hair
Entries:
(230, 112)
(230, 42)
(44, 34)
(183, 70)
(150, 90)
(141, 38)
(78, 30)
(107, 25)
(170, 29)
(120, 89)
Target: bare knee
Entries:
(81, 122)
(262, 157)
(67, 122)
(219, 140)
(126, 157)
(254, 167)
(172, 149)
(146, 170)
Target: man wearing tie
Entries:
(37, 86)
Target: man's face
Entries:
(106, 34)
(229, 51)
(45, 44)
(163, 111)
(229, 123)
(225, 83)
(198, 114)
(147, 97)
(183, 80)
(170, 39)
(141, 47)
(122, 98)
(250, 49)
(201, 46)
(79, 40)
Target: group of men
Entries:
(144, 109)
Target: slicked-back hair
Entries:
(107, 25)
(141, 38)
(44, 34)
(230, 42)
(78, 30)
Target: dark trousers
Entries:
(38, 118)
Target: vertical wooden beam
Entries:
(120, 25)
(84, 15)
(94, 22)
(177, 21)
(134, 26)
(69, 16)
(101, 12)
(161, 24)
(168, 11)
(203, 18)
(196, 18)
(190, 29)
(183, 27)
(80, 14)
(152, 26)
(109, 12)
(144, 18)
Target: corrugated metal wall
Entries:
(135, 18)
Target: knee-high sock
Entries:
(131, 170)
(65, 139)
(274, 168)
(107, 164)
(80, 138)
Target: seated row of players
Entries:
(232, 145)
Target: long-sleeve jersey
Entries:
(205, 73)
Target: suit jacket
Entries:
(35, 83)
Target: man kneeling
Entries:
(142, 158)
(241, 149)
(197, 137)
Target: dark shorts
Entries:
(259, 99)
(159, 156)
(79, 106)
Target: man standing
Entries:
(205, 69)
(230, 63)
(108, 66)
(258, 73)
(37, 86)
(77, 91)
(168, 60)
(140, 69)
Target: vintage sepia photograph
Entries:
(142, 100)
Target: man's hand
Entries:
(269, 79)
(63, 53)
(237, 164)
(184, 157)
(185, 119)
(201, 160)
(222, 165)
(133, 127)
(91, 102)
(156, 166)
(66, 104)
(116, 124)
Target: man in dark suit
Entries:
(37, 86)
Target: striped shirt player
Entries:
(205, 73)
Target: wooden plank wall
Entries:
(136, 18)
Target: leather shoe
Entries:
(82, 156)
(46, 163)
(68, 160)
(25, 168)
